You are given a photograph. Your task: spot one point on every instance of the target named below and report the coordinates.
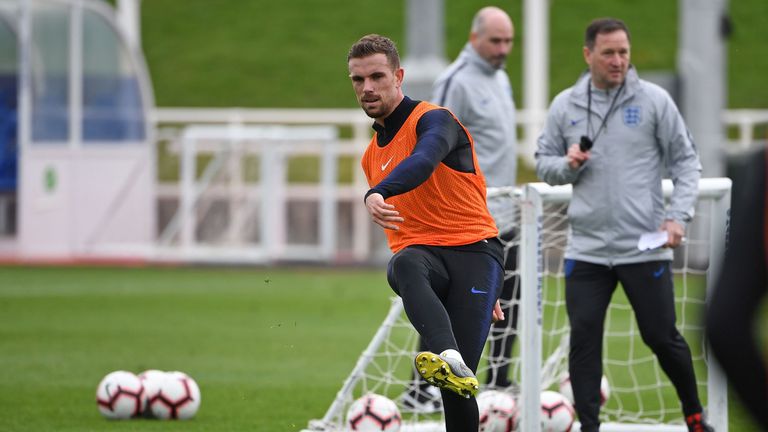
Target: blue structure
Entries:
(8, 133)
(77, 167)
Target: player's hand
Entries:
(382, 213)
(576, 157)
(498, 314)
(675, 233)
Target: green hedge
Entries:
(293, 54)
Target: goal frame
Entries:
(531, 198)
(534, 196)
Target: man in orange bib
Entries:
(428, 193)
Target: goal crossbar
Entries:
(717, 191)
(380, 366)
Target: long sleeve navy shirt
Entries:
(440, 139)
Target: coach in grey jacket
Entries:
(613, 137)
(476, 88)
(617, 194)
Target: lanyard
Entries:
(586, 141)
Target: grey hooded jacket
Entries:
(480, 96)
(617, 193)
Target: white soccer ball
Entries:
(120, 395)
(567, 391)
(557, 413)
(373, 412)
(498, 411)
(178, 397)
(151, 379)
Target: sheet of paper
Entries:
(652, 240)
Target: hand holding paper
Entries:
(652, 240)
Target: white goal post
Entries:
(642, 399)
(714, 207)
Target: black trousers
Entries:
(448, 295)
(503, 332)
(649, 289)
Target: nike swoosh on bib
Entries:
(384, 166)
(477, 291)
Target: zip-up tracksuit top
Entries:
(617, 193)
(480, 96)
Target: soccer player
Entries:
(740, 291)
(428, 193)
(613, 136)
(476, 88)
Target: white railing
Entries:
(747, 122)
(227, 140)
(273, 135)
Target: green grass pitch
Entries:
(269, 348)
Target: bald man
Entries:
(476, 88)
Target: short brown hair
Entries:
(375, 44)
(603, 26)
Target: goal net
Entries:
(641, 397)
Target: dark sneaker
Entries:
(447, 373)
(421, 401)
(696, 423)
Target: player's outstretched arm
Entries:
(382, 213)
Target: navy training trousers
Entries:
(650, 290)
(448, 295)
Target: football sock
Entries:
(453, 354)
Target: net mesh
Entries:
(639, 390)
(640, 393)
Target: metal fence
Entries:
(213, 210)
